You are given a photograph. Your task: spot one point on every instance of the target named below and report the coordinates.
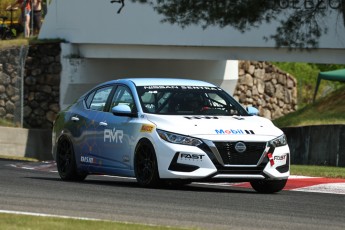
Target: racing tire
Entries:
(145, 165)
(65, 162)
(268, 186)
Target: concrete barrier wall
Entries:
(33, 143)
(317, 145)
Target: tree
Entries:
(300, 29)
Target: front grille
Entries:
(250, 156)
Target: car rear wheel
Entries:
(65, 161)
(268, 186)
(145, 165)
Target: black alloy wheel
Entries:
(65, 161)
(145, 164)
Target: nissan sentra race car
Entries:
(169, 130)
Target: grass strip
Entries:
(18, 158)
(318, 171)
(21, 222)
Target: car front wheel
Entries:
(145, 164)
(65, 161)
(268, 186)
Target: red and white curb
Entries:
(308, 184)
(295, 183)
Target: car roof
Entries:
(163, 81)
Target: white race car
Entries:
(169, 130)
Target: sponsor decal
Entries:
(113, 135)
(201, 117)
(234, 131)
(147, 128)
(191, 156)
(276, 159)
(87, 159)
(161, 87)
(280, 158)
(153, 87)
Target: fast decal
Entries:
(280, 158)
(89, 160)
(113, 135)
(191, 156)
(201, 117)
(233, 131)
(147, 128)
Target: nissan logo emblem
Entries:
(240, 147)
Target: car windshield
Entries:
(188, 100)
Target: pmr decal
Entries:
(234, 131)
(147, 128)
(191, 156)
(113, 135)
(87, 159)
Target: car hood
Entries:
(218, 127)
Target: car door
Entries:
(119, 133)
(90, 142)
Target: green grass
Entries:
(306, 75)
(327, 110)
(4, 122)
(17, 158)
(14, 42)
(26, 222)
(318, 171)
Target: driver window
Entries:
(100, 98)
(123, 96)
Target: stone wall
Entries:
(38, 92)
(12, 60)
(267, 88)
(41, 85)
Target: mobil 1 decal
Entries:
(234, 131)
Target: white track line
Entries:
(47, 215)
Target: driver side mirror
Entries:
(123, 110)
(252, 111)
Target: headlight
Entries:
(178, 139)
(279, 141)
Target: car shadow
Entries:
(131, 183)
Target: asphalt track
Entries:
(32, 187)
